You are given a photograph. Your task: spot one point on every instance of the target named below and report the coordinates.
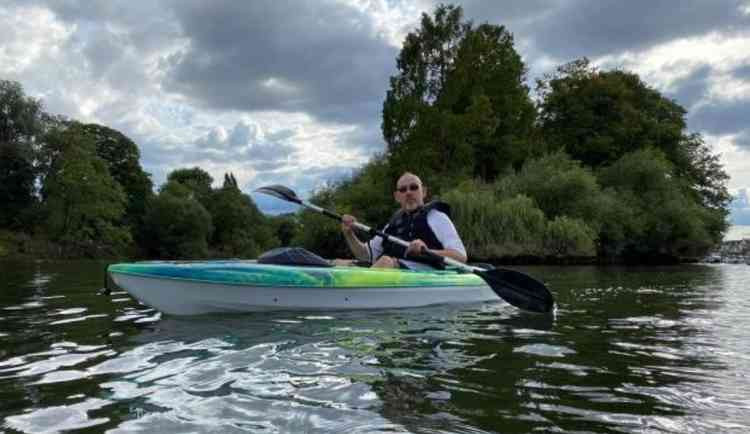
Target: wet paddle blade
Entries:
(280, 192)
(519, 289)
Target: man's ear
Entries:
(395, 196)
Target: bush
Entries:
(178, 226)
(492, 228)
(565, 236)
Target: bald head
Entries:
(409, 192)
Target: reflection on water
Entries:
(633, 350)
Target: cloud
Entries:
(693, 88)
(721, 117)
(325, 59)
(600, 27)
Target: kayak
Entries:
(198, 287)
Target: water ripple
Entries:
(646, 351)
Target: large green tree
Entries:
(458, 105)
(21, 122)
(123, 161)
(653, 214)
(83, 202)
(601, 117)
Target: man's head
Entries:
(410, 192)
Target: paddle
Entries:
(515, 287)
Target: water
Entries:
(630, 350)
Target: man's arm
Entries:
(357, 247)
(446, 232)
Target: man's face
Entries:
(409, 192)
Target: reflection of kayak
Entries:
(185, 288)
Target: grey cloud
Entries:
(146, 25)
(692, 88)
(481, 11)
(721, 118)
(742, 140)
(742, 72)
(322, 59)
(242, 134)
(599, 27)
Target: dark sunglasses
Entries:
(412, 187)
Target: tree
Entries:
(17, 176)
(458, 101)
(599, 116)
(607, 118)
(655, 215)
(176, 224)
(123, 161)
(197, 180)
(84, 204)
(21, 122)
(560, 186)
(240, 229)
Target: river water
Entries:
(629, 350)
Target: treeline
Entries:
(78, 190)
(598, 164)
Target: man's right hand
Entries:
(347, 223)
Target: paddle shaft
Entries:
(391, 238)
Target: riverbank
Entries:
(21, 246)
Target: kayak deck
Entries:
(185, 288)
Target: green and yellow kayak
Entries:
(196, 287)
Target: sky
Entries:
(291, 91)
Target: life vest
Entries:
(411, 226)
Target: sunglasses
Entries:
(412, 187)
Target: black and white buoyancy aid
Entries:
(411, 226)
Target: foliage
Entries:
(318, 233)
(566, 236)
(83, 202)
(458, 101)
(240, 229)
(21, 120)
(197, 180)
(122, 157)
(660, 217)
(285, 228)
(492, 228)
(599, 116)
(559, 186)
(176, 224)
(368, 194)
(17, 177)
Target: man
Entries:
(424, 226)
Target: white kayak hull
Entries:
(185, 297)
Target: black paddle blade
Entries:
(518, 289)
(281, 192)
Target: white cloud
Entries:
(664, 66)
(29, 35)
